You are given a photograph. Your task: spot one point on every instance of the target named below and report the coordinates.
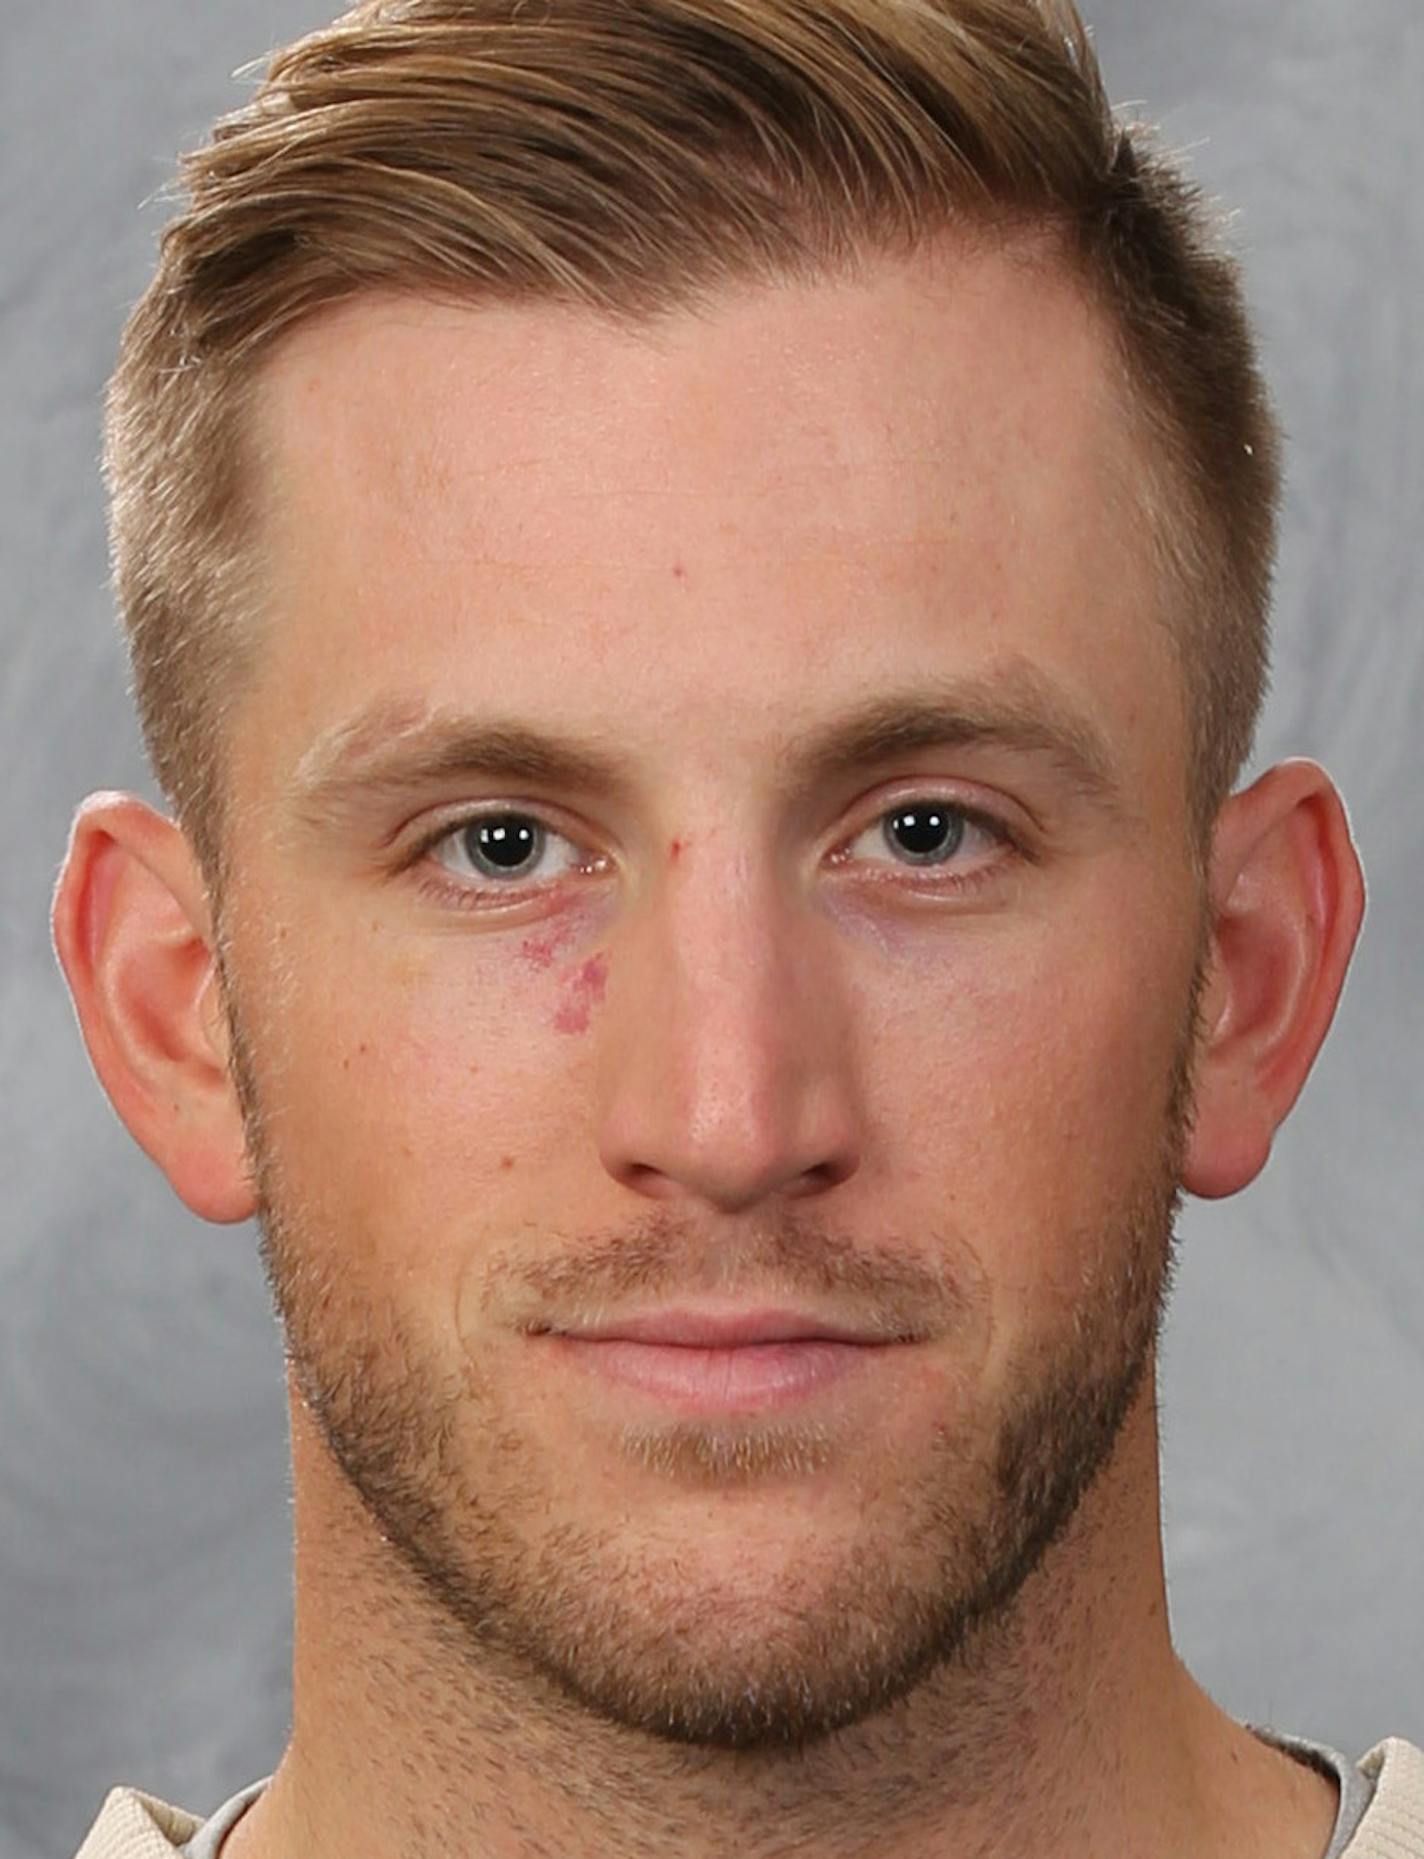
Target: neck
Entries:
(1068, 1728)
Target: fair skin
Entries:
(725, 1042)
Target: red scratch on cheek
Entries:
(586, 988)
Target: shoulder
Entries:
(134, 1825)
(1393, 1825)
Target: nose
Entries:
(727, 1065)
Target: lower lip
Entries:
(701, 1380)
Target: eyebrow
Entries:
(395, 749)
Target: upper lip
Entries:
(724, 1329)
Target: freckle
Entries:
(363, 1048)
(506, 1161)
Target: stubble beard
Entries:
(568, 1612)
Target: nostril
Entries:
(645, 1179)
(824, 1175)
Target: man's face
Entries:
(734, 1011)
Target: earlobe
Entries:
(133, 935)
(1287, 897)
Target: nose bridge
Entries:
(728, 1064)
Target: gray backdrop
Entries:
(145, 1588)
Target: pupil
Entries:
(505, 843)
(927, 834)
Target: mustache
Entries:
(896, 1287)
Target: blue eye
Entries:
(514, 852)
(931, 833)
(927, 835)
(489, 851)
(504, 845)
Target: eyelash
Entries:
(493, 894)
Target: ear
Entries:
(133, 934)
(1287, 896)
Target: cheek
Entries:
(1023, 1091)
(421, 1085)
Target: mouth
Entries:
(744, 1378)
(725, 1361)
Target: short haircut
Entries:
(634, 157)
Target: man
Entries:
(697, 576)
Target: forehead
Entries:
(698, 522)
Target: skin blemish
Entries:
(675, 851)
(679, 571)
(572, 1017)
(539, 951)
(506, 1161)
(589, 982)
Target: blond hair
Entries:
(631, 156)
